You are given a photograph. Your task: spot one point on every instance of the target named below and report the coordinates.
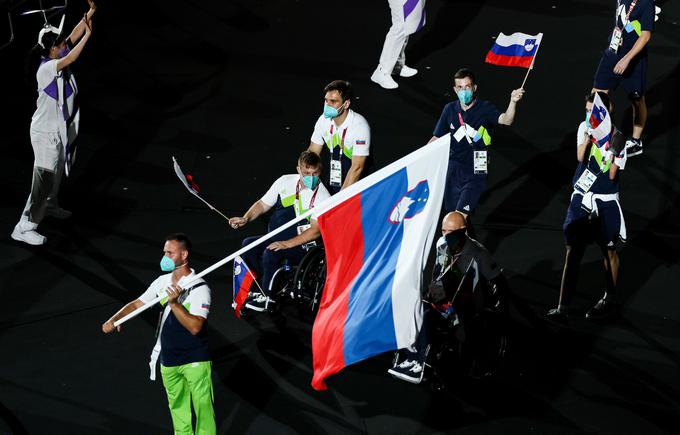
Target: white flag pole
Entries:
(220, 263)
(325, 206)
(538, 47)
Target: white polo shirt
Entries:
(287, 190)
(354, 134)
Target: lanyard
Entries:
(632, 6)
(341, 145)
(462, 124)
(298, 198)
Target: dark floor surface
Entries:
(232, 89)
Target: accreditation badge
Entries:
(585, 181)
(336, 173)
(301, 229)
(480, 162)
(617, 38)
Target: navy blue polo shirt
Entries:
(480, 120)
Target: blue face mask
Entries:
(331, 112)
(167, 265)
(588, 119)
(465, 96)
(310, 181)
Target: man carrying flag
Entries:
(290, 196)
(470, 122)
(594, 213)
(182, 338)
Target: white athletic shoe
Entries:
(58, 213)
(383, 79)
(407, 71)
(26, 232)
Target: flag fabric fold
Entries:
(600, 122)
(243, 281)
(377, 234)
(518, 49)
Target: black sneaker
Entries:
(259, 303)
(558, 315)
(411, 369)
(633, 147)
(603, 310)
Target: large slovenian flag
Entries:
(518, 49)
(600, 122)
(377, 234)
(414, 15)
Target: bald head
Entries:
(452, 222)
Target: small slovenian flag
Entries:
(186, 179)
(518, 49)
(243, 280)
(600, 122)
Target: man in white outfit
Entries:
(408, 16)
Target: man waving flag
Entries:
(518, 49)
(377, 235)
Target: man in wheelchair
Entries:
(464, 311)
(289, 197)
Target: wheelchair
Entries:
(301, 285)
(468, 329)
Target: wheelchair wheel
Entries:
(309, 280)
(281, 284)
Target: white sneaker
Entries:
(28, 234)
(57, 213)
(383, 79)
(407, 71)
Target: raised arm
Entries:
(75, 53)
(508, 117)
(79, 29)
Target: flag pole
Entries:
(220, 263)
(532, 62)
(320, 209)
(182, 177)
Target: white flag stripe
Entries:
(517, 38)
(415, 246)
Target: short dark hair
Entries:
(464, 72)
(603, 96)
(343, 87)
(309, 159)
(182, 239)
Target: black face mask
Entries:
(455, 239)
